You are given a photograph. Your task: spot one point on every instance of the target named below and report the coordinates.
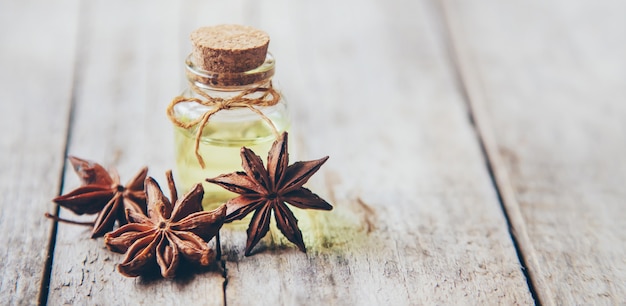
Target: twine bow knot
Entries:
(269, 97)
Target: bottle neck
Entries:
(230, 81)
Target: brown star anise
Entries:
(103, 194)
(167, 233)
(264, 191)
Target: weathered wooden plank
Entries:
(36, 60)
(416, 220)
(546, 85)
(129, 69)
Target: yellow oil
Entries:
(336, 232)
(220, 146)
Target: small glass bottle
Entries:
(225, 63)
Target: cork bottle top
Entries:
(229, 48)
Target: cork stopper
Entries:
(229, 48)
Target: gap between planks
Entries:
(44, 291)
(471, 92)
(47, 272)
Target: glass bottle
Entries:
(227, 130)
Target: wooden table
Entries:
(478, 148)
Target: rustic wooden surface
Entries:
(547, 82)
(36, 76)
(447, 122)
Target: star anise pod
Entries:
(168, 234)
(103, 194)
(263, 191)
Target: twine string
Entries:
(269, 97)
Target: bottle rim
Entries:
(230, 80)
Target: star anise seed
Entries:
(103, 194)
(264, 191)
(168, 234)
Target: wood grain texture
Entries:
(36, 60)
(416, 220)
(129, 69)
(546, 83)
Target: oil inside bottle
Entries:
(220, 145)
